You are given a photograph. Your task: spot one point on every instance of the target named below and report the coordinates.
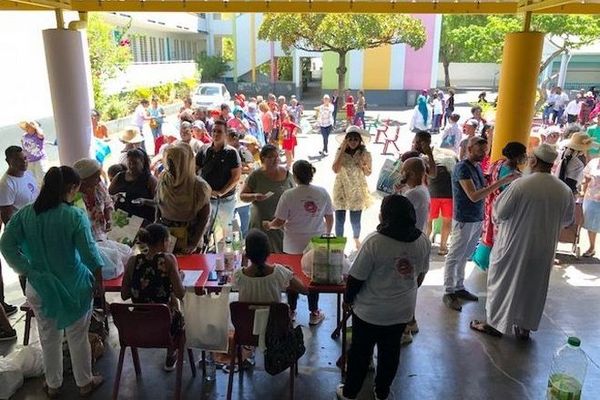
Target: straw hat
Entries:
(131, 135)
(30, 124)
(581, 142)
(366, 138)
(250, 140)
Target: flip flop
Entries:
(483, 327)
(521, 334)
(50, 392)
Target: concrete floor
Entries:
(446, 360)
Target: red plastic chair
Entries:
(382, 130)
(392, 141)
(242, 317)
(147, 326)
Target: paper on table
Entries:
(190, 278)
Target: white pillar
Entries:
(297, 71)
(562, 72)
(69, 88)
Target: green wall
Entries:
(330, 63)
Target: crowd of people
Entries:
(226, 165)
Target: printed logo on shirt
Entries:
(310, 207)
(404, 268)
(31, 187)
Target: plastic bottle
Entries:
(229, 256)
(567, 372)
(211, 368)
(237, 248)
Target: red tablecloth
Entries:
(203, 262)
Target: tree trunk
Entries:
(446, 64)
(542, 92)
(341, 73)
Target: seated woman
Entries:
(261, 282)
(153, 277)
(136, 186)
(183, 199)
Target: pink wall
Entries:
(418, 65)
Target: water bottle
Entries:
(211, 368)
(568, 370)
(229, 256)
(236, 244)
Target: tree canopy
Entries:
(341, 33)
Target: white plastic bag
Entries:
(114, 255)
(25, 362)
(308, 260)
(207, 320)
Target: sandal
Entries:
(521, 334)
(589, 253)
(483, 327)
(88, 389)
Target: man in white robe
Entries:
(529, 216)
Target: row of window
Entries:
(148, 49)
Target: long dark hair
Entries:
(141, 155)
(58, 181)
(257, 249)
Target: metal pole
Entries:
(527, 22)
(60, 20)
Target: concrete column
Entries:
(517, 91)
(69, 89)
(297, 72)
(562, 73)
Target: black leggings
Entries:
(364, 337)
(313, 300)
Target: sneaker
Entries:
(9, 309)
(170, 362)
(88, 389)
(340, 393)
(451, 301)
(316, 317)
(7, 335)
(406, 337)
(413, 327)
(466, 295)
(325, 153)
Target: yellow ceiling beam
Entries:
(318, 6)
(33, 4)
(543, 4)
(6, 5)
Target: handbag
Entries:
(207, 320)
(389, 176)
(284, 345)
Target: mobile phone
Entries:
(223, 280)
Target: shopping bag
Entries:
(389, 176)
(115, 256)
(328, 259)
(207, 320)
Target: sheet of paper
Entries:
(190, 278)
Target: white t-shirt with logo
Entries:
(421, 201)
(17, 191)
(325, 115)
(303, 208)
(388, 296)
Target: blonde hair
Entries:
(263, 106)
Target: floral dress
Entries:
(350, 190)
(99, 205)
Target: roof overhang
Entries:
(315, 6)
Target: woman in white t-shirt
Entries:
(303, 212)
(382, 292)
(261, 282)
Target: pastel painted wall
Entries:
(395, 67)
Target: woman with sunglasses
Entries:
(352, 165)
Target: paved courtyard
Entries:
(446, 360)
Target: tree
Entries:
(212, 67)
(109, 54)
(341, 33)
(483, 41)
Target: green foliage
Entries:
(341, 33)
(227, 49)
(480, 38)
(285, 66)
(211, 67)
(108, 56)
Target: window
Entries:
(189, 51)
(176, 50)
(143, 49)
(153, 50)
(135, 49)
(161, 50)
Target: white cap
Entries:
(546, 153)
